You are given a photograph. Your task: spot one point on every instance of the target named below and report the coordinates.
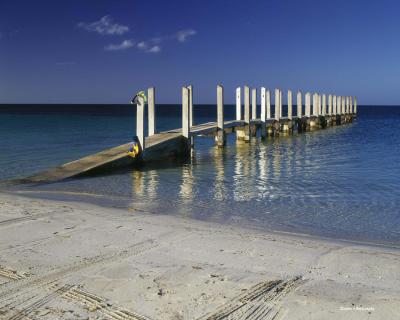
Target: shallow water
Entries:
(342, 182)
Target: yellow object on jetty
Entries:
(134, 150)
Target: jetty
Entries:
(318, 111)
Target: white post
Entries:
(140, 122)
(263, 112)
(308, 104)
(349, 98)
(263, 105)
(334, 105)
(151, 110)
(343, 105)
(246, 133)
(220, 116)
(349, 111)
(330, 105)
(238, 105)
(185, 113)
(190, 88)
(324, 105)
(315, 104)
(246, 105)
(351, 105)
(299, 105)
(339, 105)
(319, 104)
(289, 103)
(220, 107)
(254, 104)
(268, 97)
(280, 104)
(277, 112)
(355, 105)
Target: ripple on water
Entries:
(341, 182)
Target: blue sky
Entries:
(103, 51)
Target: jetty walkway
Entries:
(318, 111)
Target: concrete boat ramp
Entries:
(160, 146)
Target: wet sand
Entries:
(66, 260)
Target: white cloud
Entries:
(142, 45)
(104, 26)
(148, 46)
(154, 49)
(126, 44)
(152, 45)
(183, 35)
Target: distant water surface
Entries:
(342, 182)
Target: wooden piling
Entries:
(299, 105)
(319, 105)
(220, 117)
(355, 105)
(343, 105)
(253, 128)
(307, 99)
(263, 113)
(238, 105)
(254, 104)
(330, 105)
(246, 132)
(190, 88)
(268, 98)
(324, 105)
(315, 105)
(140, 122)
(151, 111)
(277, 104)
(351, 105)
(185, 113)
(338, 105)
(334, 105)
(289, 103)
(280, 104)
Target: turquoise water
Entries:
(342, 182)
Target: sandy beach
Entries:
(65, 260)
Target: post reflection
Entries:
(220, 188)
(145, 184)
(263, 186)
(241, 172)
(276, 159)
(187, 185)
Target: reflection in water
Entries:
(138, 182)
(145, 184)
(241, 173)
(331, 182)
(220, 186)
(186, 187)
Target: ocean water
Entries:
(341, 182)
